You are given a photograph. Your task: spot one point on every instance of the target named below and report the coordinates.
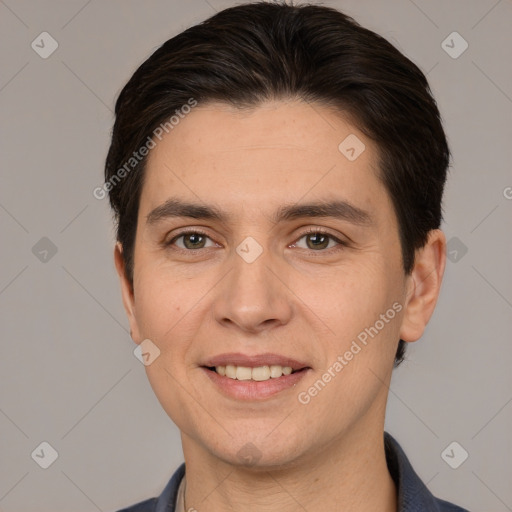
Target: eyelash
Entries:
(341, 244)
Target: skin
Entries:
(295, 299)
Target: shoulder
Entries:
(413, 494)
(166, 501)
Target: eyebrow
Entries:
(337, 209)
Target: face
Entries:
(290, 260)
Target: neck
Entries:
(348, 474)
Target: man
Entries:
(277, 175)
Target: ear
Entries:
(126, 293)
(423, 286)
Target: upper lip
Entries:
(238, 359)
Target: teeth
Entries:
(276, 371)
(259, 373)
(230, 371)
(243, 373)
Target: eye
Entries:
(191, 240)
(318, 240)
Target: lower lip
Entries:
(251, 389)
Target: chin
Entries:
(257, 453)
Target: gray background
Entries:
(68, 373)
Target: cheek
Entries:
(161, 310)
(169, 311)
(348, 296)
(159, 304)
(347, 308)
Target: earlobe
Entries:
(126, 292)
(424, 285)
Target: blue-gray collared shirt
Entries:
(413, 495)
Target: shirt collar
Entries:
(413, 495)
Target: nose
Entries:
(253, 296)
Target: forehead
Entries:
(278, 152)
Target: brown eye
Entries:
(193, 241)
(317, 241)
(190, 240)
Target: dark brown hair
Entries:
(255, 52)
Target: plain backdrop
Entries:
(69, 377)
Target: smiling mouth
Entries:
(258, 373)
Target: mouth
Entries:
(259, 367)
(254, 377)
(258, 373)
